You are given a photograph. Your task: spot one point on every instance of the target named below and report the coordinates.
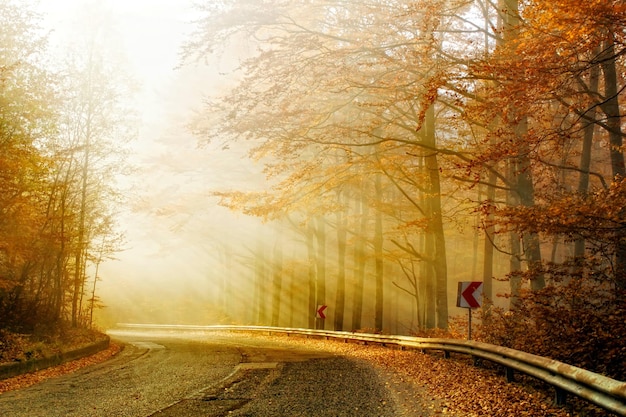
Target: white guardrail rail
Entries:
(605, 392)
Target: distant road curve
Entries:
(162, 373)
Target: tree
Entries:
(340, 297)
(56, 172)
(360, 91)
(95, 124)
(421, 99)
(27, 117)
(565, 85)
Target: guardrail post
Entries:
(446, 354)
(510, 374)
(560, 396)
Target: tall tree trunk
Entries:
(440, 263)
(340, 296)
(321, 267)
(611, 108)
(521, 177)
(508, 20)
(378, 256)
(515, 259)
(310, 245)
(488, 249)
(95, 282)
(362, 209)
(61, 258)
(261, 274)
(277, 282)
(489, 232)
(82, 233)
(585, 156)
(429, 278)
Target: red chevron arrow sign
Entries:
(320, 312)
(470, 294)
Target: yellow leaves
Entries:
(26, 380)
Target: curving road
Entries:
(194, 374)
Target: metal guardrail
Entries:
(605, 392)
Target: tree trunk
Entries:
(359, 263)
(585, 157)
(525, 189)
(95, 283)
(277, 282)
(310, 245)
(261, 273)
(378, 255)
(80, 245)
(340, 297)
(520, 176)
(429, 279)
(435, 214)
(321, 267)
(614, 122)
(488, 249)
(515, 259)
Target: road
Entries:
(193, 374)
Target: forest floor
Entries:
(452, 387)
(16, 347)
(456, 387)
(27, 380)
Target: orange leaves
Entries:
(27, 380)
(575, 320)
(575, 22)
(429, 385)
(596, 217)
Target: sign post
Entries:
(470, 295)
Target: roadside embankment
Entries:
(11, 369)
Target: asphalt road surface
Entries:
(193, 374)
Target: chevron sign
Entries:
(470, 294)
(320, 312)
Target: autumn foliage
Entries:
(55, 206)
(580, 323)
(401, 123)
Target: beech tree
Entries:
(427, 99)
(57, 214)
(26, 118)
(96, 124)
(354, 89)
(565, 88)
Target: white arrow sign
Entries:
(470, 294)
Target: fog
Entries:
(173, 229)
(186, 259)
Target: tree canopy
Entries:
(503, 114)
(56, 204)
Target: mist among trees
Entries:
(411, 145)
(392, 149)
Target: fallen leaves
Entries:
(27, 380)
(454, 387)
